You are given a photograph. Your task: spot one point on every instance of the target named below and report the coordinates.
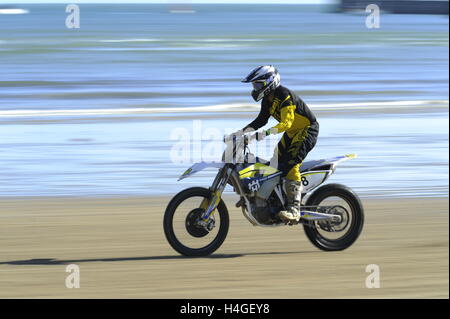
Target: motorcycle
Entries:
(196, 220)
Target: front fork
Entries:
(216, 188)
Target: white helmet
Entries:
(265, 79)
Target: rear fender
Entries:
(320, 173)
(338, 159)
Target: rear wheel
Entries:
(338, 200)
(182, 228)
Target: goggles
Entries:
(258, 85)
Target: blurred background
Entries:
(91, 111)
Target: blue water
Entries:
(144, 56)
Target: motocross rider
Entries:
(297, 123)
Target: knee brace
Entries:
(294, 173)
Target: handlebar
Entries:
(237, 147)
(246, 138)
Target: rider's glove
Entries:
(260, 135)
(229, 137)
(238, 133)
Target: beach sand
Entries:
(120, 248)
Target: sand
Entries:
(119, 246)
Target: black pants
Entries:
(293, 150)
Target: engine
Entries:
(265, 211)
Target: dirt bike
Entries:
(196, 220)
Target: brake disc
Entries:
(335, 226)
(192, 225)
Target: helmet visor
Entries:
(257, 86)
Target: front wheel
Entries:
(340, 200)
(182, 228)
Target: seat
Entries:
(305, 167)
(309, 165)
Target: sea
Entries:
(105, 108)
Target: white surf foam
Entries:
(380, 105)
(13, 11)
(208, 40)
(227, 40)
(236, 107)
(128, 40)
(182, 11)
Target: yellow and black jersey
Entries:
(288, 109)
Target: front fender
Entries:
(198, 167)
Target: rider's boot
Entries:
(294, 195)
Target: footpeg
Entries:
(240, 202)
(284, 216)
